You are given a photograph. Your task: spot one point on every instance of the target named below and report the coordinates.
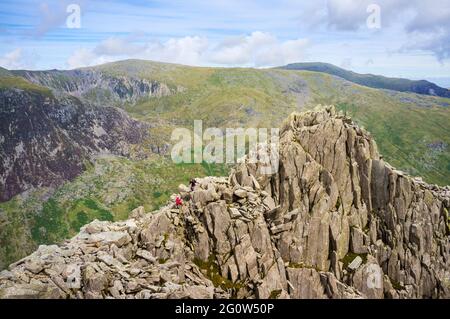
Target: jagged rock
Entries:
(269, 203)
(94, 282)
(35, 266)
(110, 237)
(146, 255)
(234, 212)
(241, 193)
(335, 221)
(183, 189)
(368, 279)
(227, 195)
(34, 290)
(203, 196)
(306, 284)
(357, 241)
(137, 212)
(199, 292)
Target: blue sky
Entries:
(402, 38)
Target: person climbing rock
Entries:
(192, 183)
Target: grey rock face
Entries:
(98, 87)
(335, 221)
(47, 140)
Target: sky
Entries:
(401, 38)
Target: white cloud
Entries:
(257, 49)
(437, 42)
(426, 24)
(346, 14)
(82, 57)
(352, 14)
(347, 63)
(369, 62)
(185, 50)
(115, 46)
(17, 59)
(431, 15)
(53, 14)
(430, 29)
(243, 49)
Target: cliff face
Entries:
(335, 221)
(45, 141)
(98, 87)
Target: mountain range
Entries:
(374, 81)
(93, 143)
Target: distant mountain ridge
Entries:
(4, 72)
(373, 81)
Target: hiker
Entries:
(192, 183)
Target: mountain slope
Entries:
(335, 221)
(373, 81)
(4, 72)
(46, 141)
(96, 87)
(262, 98)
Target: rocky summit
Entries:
(335, 221)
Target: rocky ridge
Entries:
(335, 221)
(97, 87)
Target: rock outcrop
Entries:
(45, 141)
(98, 87)
(335, 221)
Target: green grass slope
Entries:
(8, 81)
(409, 128)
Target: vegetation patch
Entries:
(351, 256)
(49, 225)
(17, 82)
(274, 294)
(212, 272)
(302, 265)
(396, 285)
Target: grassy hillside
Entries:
(4, 72)
(373, 81)
(410, 129)
(16, 82)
